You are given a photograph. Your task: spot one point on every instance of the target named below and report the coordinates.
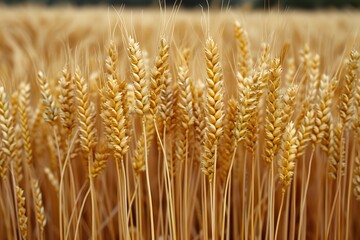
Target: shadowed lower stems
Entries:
(303, 200)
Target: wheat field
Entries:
(173, 124)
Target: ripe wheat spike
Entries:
(214, 107)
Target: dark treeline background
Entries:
(308, 4)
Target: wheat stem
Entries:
(279, 214)
(304, 198)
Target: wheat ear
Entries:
(7, 132)
(102, 154)
(287, 160)
(246, 107)
(111, 64)
(288, 104)
(51, 112)
(67, 99)
(273, 113)
(138, 74)
(227, 146)
(184, 107)
(335, 150)
(323, 111)
(214, 107)
(158, 74)
(243, 46)
(304, 132)
(114, 119)
(86, 113)
(22, 219)
(24, 103)
(347, 96)
(314, 77)
(40, 212)
(356, 178)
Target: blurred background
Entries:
(305, 4)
